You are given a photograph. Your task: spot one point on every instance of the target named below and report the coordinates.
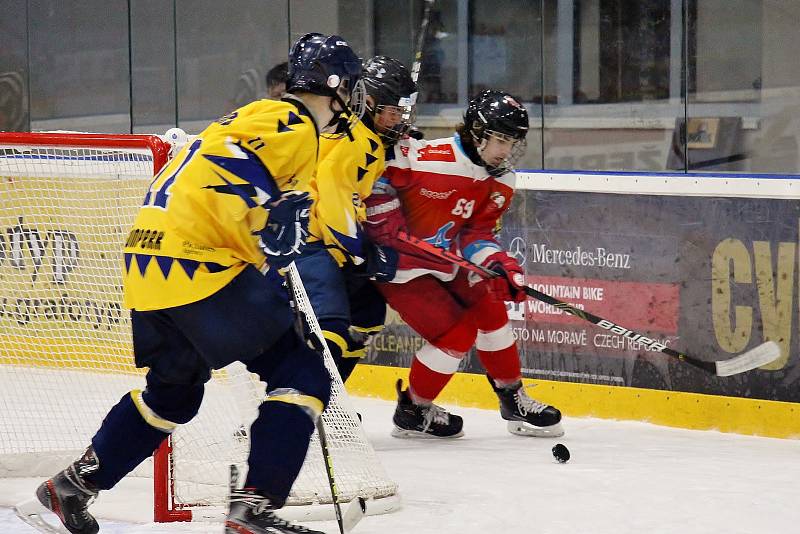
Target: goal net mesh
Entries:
(65, 341)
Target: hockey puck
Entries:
(561, 453)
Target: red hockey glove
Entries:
(385, 219)
(507, 286)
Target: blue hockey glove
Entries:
(284, 235)
(381, 262)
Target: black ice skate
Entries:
(68, 495)
(251, 513)
(423, 421)
(527, 416)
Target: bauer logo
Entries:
(30, 249)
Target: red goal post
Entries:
(69, 200)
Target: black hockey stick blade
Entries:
(760, 355)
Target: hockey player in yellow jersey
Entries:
(200, 277)
(339, 261)
(199, 223)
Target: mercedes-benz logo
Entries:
(518, 250)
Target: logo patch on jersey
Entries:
(498, 199)
(404, 150)
(437, 153)
(440, 239)
(436, 195)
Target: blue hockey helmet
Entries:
(321, 64)
(327, 66)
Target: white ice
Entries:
(624, 477)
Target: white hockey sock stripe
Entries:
(438, 360)
(499, 339)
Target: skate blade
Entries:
(33, 513)
(521, 428)
(402, 433)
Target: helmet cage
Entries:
(406, 109)
(518, 149)
(392, 90)
(351, 110)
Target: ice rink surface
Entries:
(623, 477)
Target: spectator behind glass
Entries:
(276, 80)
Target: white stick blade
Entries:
(761, 355)
(355, 512)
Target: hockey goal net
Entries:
(68, 201)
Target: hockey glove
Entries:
(284, 235)
(507, 286)
(381, 262)
(385, 219)
(415, 133)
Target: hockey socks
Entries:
(496, 347)
(279, 440)
(502, 365)
(124, 440)
(425, 384)
(345, 351)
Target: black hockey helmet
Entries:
(324, 65)
(496, 111)
(500, 115)
(389, 84)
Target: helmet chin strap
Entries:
(493, 170)
(339, 122)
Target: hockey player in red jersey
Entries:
(452, 192)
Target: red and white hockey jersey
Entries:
(444, 198)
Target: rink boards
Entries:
(707, 263)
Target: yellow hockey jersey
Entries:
(196, 229)
(344, 177)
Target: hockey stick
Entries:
(761, 355)
(306, 317)
(416, 66)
